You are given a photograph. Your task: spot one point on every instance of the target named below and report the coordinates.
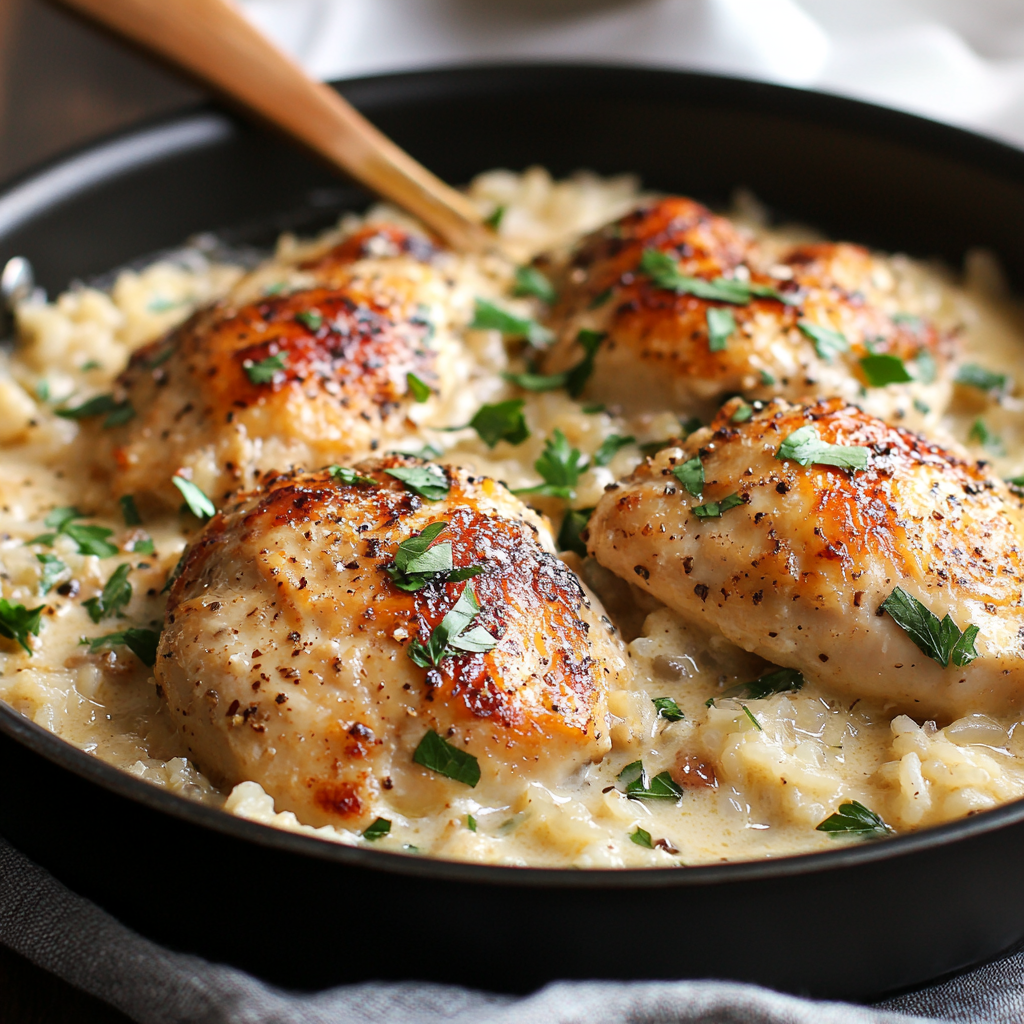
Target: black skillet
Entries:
(854, 922)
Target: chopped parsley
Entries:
(925, 369)
(129, 510)
(767, 379)
(451, 636)
(827, 343)
(377, 829)
(721, 326)
(420, 393)
(805, 447)
(713, 509)
(974, 376)
(742, 414)
(142, 546)
(665, 273)
(311, 318)
(576, 378)
(440, 756)
(418, 561)
(992, 443)
(573, 524)
(350, 477)
(854, 818)
(264, 371)
(783, 680)
(116, 412)
(668, 709)
(195, 498)
(640, 786)
(940, 640)
(537, 381)
(51, 570)
(610, 446)
(494, 218)
(427, 481)
(530, 281)
(470, 822)
(141, 642)
(560, 466)
(1016, 484)
(502, 421)
(89, 540)
(642, 838)
(880, 370)
(691, 475)
(600, 299)
(488, 317)
(753, 718)
(17, 621)
(117, 592)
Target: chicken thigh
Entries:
(758, 532)
(689, 313)
(304, 650)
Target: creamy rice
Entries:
(756, 784)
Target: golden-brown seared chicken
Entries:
(303, 378)
(286, 657)
(658, 350)
(797, 569)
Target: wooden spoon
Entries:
(214, 42)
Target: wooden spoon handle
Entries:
(214, 42)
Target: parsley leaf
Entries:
(767, 379)
(713, 509)
(573, 524)
(742, 414)
(417, 563)
(881, 370)
(804, 447)
(494, 218)
(488, 317)
(530, 281)
(427, 481)
(537, 381)
(470, 822)
(264, 371)
(940, 640)
(854, 818)
(642, 838)
(665, 273)
(450, 636)
(420, 393)
(198, 503)
(130, 511)
(141, 642)
(89, 540)
(350, 476)
(142, 546)
(974, 376)
(116, 412)
(601, 298)
(992, 443)
(576, 378)
(721, 325)
(52, 567)
(377, 829)
(117, 592)
(310, 318)
(640, 786)
(827, 343)
(668, 709)
(783, 680)
(17, 621)
(610, 447)
(559, 466)
(691, 475)
(502, 421)
(440, 756)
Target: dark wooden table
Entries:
(60, 85)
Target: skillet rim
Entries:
(46, 186)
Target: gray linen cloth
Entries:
(74, 939)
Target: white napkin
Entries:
(947, 59)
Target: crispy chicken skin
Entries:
(341, 335)
(798, 572)
(284, 657)
(656, 352)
